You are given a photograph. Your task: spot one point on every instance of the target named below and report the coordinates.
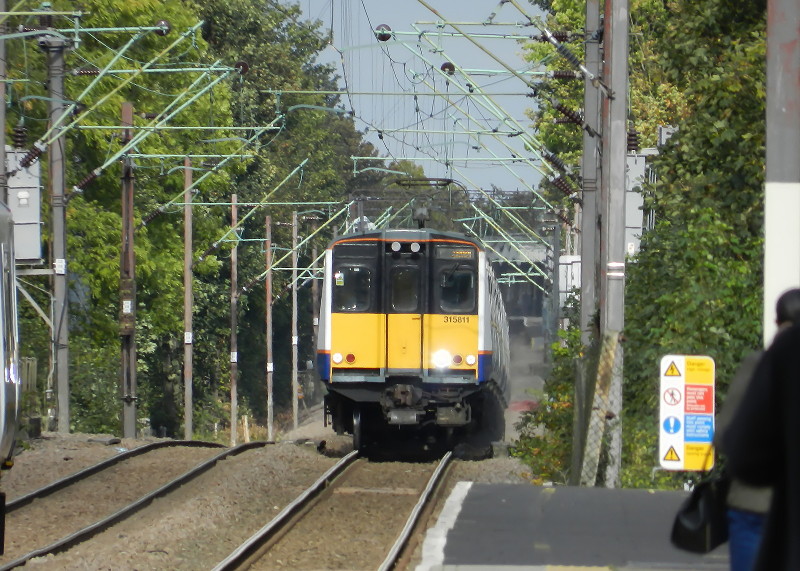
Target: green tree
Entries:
(93, 217)
(695, 285)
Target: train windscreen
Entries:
(457, 290)
(351, 288)
(456, 272)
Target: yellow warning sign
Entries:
(671, 455)
(698, 457)
(672, 371)
(699, 370)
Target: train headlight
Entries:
(396, 246)
(470, 360)
(415, 247)
(441, 358)
(337, 358)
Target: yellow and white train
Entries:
(413, 338)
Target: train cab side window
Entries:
(457, 290)
(405, 289)
(351, 288)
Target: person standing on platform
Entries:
(748, 505)
(762, 440)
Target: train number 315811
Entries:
(456, 319)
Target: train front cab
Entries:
(401, 346)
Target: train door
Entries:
(404, 302)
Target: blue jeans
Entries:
(744, 531)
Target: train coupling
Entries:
(403, 404)
(404, 416)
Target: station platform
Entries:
(514, 527)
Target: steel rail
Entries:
(250, 548)
(62, 483)
(103, 524)
(424, 500)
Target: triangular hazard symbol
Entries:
(672, 371)
(671, 455)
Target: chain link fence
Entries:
(597, 439)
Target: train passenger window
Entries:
(457, 289)
(405, 289)
(351, 288)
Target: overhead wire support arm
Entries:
(386, 93)
(161, 29)
(164, 117)
(263, 202)
(48, 136)
(488, 246)
(205, 175)
(514, 218)
(276, 263)
(93, 71)
(190, 156)
(530, 143)
(522, 273)
(166, 128)
(488, 103)
(508, 237)
(514, 72)
(460, 34)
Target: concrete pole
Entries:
(612, 284)
(590, 171)
(295, 387)
(555, 317)
(55, 48)
(234, 326)
(188, 304)
(782, 191)
(268, 303)
(127, 288)
(589, 236)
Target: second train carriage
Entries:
(413, 338)
(9, 357)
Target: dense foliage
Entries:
(695, 285)
(302, 158)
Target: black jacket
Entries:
(763, 447)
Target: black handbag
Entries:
(701, 523)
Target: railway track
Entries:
(322, 520)
(72, 519)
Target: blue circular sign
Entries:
(672, 424)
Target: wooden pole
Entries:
(127, 286)
(188, 302)
(295, 388)
(315, 308)
(234, 325)
(268, 289)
